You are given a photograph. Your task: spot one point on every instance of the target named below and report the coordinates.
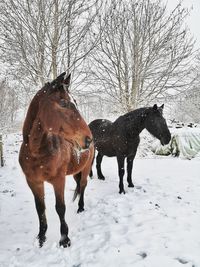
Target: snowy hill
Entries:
(155, 224)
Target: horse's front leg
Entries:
(120, 161)
(59, 186)
(38, 192)
(129, 170)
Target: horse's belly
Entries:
(105, 148)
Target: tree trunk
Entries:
(1, 151)
(55, 40)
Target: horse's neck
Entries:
(36, 137)
(134, 122)
(32, 113)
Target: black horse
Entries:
(121, 138)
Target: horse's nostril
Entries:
(166, 140)
(88, 141)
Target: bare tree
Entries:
(8, 105)
(187, 106)
(1, 152)
(41, 38)
(145, 52)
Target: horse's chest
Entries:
(42, 165)
(48, 167)
(127, 147)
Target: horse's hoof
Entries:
(131, 185)
(41, 240)
(122, 191)
(65, 242)
(101, 177)
(80, 210)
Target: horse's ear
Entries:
(66, 82)
(161, 109)
(155, 107)
(162, 106)
(58, 80)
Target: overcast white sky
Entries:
(194, 20)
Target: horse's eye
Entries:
(63, 103)
(72, 106)
(67, 104)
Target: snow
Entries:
(154, 224)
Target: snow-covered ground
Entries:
(156, 224)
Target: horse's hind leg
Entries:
(59, 186)
(81, 181)
(38, 192)
(91, 172)
(98, 165)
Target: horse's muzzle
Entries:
(165, 140)
(88, 141)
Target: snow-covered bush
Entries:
(185, 143)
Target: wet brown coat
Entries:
(53, 132)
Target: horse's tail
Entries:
(77, 191)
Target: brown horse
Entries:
(56, 142)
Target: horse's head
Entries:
(58, 114)
(156, 124)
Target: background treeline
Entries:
(122, 55)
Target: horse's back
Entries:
(100, 128)
(102, 133)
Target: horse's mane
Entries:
(32, 111)
(133, 114)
